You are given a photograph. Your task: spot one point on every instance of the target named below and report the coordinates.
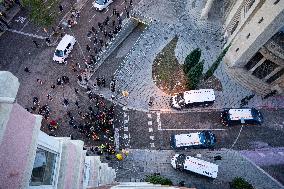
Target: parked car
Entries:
(64, 48)
(101, 4)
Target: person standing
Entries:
(61, 8)
(27, 70)
(88, 48)
(36, 43)
(76, 90)
(65, 102)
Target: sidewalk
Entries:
(144, 162)
(11, 14)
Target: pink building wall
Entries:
(15, 148)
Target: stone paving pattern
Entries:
(165, 20)
(144, 162)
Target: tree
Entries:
(240, 183)
(215, 65)
(157, 179)
(191, 60)
(194, 75)
(41, 12)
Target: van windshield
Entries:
(101, 2)
(59, 53)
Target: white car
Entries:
(64, 48)
(101, 4)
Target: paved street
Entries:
(145, 162)
(153, 130)
(136, 125)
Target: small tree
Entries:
(191, 60)
(42, 13)
(194, 75)
(215, 65)
(157, 179)
(240, 183)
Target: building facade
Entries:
(255, 30)
(31, 159)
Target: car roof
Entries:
(187, 139)
(64, 42)
(200, 95)
(237, 114)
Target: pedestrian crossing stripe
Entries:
(149, 122)
(150, 130)
(261, 154)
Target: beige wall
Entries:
(243, 47)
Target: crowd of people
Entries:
(101, 35)
(92, 122)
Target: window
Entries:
(255, 59)
(250, 4)
(260, 20)
(275, 2)
(69, 45)
(234, 27)
(276, 76)
(43, 168)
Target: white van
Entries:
(64, 48)
(188, 163)
(101, 4)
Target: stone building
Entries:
(255, 30)
(29, 158)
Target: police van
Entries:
(187, 163)
(187, 99)
(101, 4)
(241, 116)
(64, 48)
(203, 139)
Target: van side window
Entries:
(69, 45)
(65, 51)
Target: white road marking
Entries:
(150, 130)
(152, 145)
(159, 121)
(27, 34)
(160, 129)
(24, 25)
(125, 128)
(21, 19)
(152, 137)
(116, 138)
(106, 10)
(122, 2)
(124, 114)
(149, 122)
(149, 115)
(125, 121)
(281, 153)
(261, 154)
(92, 17)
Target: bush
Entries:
(157, 179)
(40, 12)
(240, 183)
(194, 75)
(191, 60)
(215, 65)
